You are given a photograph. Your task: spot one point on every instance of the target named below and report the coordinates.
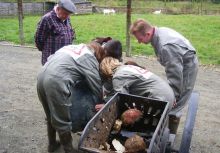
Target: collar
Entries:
(154, 39)
(153, 31)
(116, 68)
(55, 9)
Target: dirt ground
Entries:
(22, 120)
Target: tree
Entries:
(20, 19)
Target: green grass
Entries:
(202, 31)
(158, 4)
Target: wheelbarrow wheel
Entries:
(189, 123)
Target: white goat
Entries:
(108, 11)
(157, 12)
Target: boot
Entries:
(52, 143)
(173, 124)
(66, 141)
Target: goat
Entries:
(108, 11)
(157, 12)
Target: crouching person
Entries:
(136, 80)
(57, 86)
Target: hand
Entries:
(174, 104)
(98, 107)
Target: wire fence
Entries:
(10, 9)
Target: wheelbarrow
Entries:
(153, 126)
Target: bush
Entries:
(216, 1)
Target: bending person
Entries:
(177, 55)
(135, 80)
(57, 87)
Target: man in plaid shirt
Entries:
(54, 29)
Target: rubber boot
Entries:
(53, 145)
(173, 124)
(66, 141)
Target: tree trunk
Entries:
(20, 19)
(128, 44)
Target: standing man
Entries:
(55, 30)
(177, 55)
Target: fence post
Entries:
(128, 44)
(20, 18)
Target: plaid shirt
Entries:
(52, 34)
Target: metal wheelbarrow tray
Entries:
(98, 130)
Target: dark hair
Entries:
(102, 40)
(98, 50)
(113, 48)
(133, 63)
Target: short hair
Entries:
(108, 65)
(113, 48)
(102, 40)
(98, 50)
(140, 26)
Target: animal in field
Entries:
(157, 12)
(108, 11)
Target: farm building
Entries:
(10, 9)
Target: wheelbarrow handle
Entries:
(189, 123)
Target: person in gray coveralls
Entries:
(177, 55)
(58, 85)
(136, 80)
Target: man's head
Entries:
(65, 8)
(142, 30)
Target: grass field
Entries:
(202, 31)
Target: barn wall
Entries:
(10, 9)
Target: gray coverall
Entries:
(137, 81)
(179, 58)
(61, 91)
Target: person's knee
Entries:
(173, 124)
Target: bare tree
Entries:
(128, 44)
(20, 19)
